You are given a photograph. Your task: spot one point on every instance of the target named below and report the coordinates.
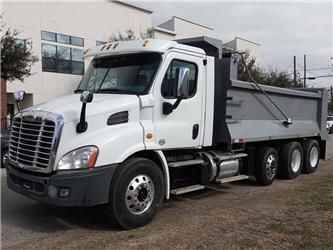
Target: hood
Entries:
(69, 106)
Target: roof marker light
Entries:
(109, 46)
(103, 47)
(145, 43)
(85, 51)
(116, 45)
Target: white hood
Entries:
(69, 106)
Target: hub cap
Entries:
(139, 194)
(295, 160)
(314, 155)
(271, 166)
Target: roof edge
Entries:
(135, 6)
(183, 19)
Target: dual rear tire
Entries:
(292, 159)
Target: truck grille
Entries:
(32, 140)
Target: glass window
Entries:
(129, 74)
(49, 36)
(77, 55)
(77, 41)
(64, 66)
(169, 85)
(63, 53)
(100, 43)
(49, 51)
(49, 64)
(63, 38)
(19, 41)
(77, 68)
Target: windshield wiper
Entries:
(78, 91)
(112, 90)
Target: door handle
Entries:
(195, 131)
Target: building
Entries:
(178, 28)
(59, 32)
(244, 45)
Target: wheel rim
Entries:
(271, 166)
(314, 156)
(139, 194)
(296, 160)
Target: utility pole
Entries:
(304, 71)
(295, 70)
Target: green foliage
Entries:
(128, 35)
(16, 58)
(271, 76)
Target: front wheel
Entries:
(137, 192)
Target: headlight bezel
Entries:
(91, 162)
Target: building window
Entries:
(169, 84)
(62, 59)
(19, 41)
(63, 38)
(100, 43)
(77, 41)
(48, 36)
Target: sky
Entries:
(283, 29)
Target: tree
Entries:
(128, 35)
(16, 62)
(272, 76)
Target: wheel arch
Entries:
(159, 159)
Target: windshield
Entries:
(330, 118)
(124, 74)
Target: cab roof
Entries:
(138, 46)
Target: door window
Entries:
(169, 84)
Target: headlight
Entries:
(80, 158)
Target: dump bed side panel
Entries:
(250, 115)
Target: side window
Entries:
(169, 84)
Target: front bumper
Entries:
(76, 188)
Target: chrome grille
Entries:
(33, 140)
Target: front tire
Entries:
(291, 160)
(136, 193)
(311, 152)
(266, 166)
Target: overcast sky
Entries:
(282, 29)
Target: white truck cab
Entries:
(152, 118)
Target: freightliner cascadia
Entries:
(154, 118)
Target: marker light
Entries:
(81, 158)
(145, 43)
(109, 46)
(86, 50)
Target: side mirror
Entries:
(183, 90)
(19, 97)
(86, 97)
(183, 82)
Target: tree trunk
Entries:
(3, 103)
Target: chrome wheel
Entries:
(271, 166)
(296, 160)
(139, 194)
(314, 157)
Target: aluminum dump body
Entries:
(251, 116)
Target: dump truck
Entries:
(154, 118)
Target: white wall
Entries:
(186, 29)
(89, 20)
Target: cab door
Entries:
(182, 128)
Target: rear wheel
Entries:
(137, 192)
(311, 153)
(266, 166)
(291, 160)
